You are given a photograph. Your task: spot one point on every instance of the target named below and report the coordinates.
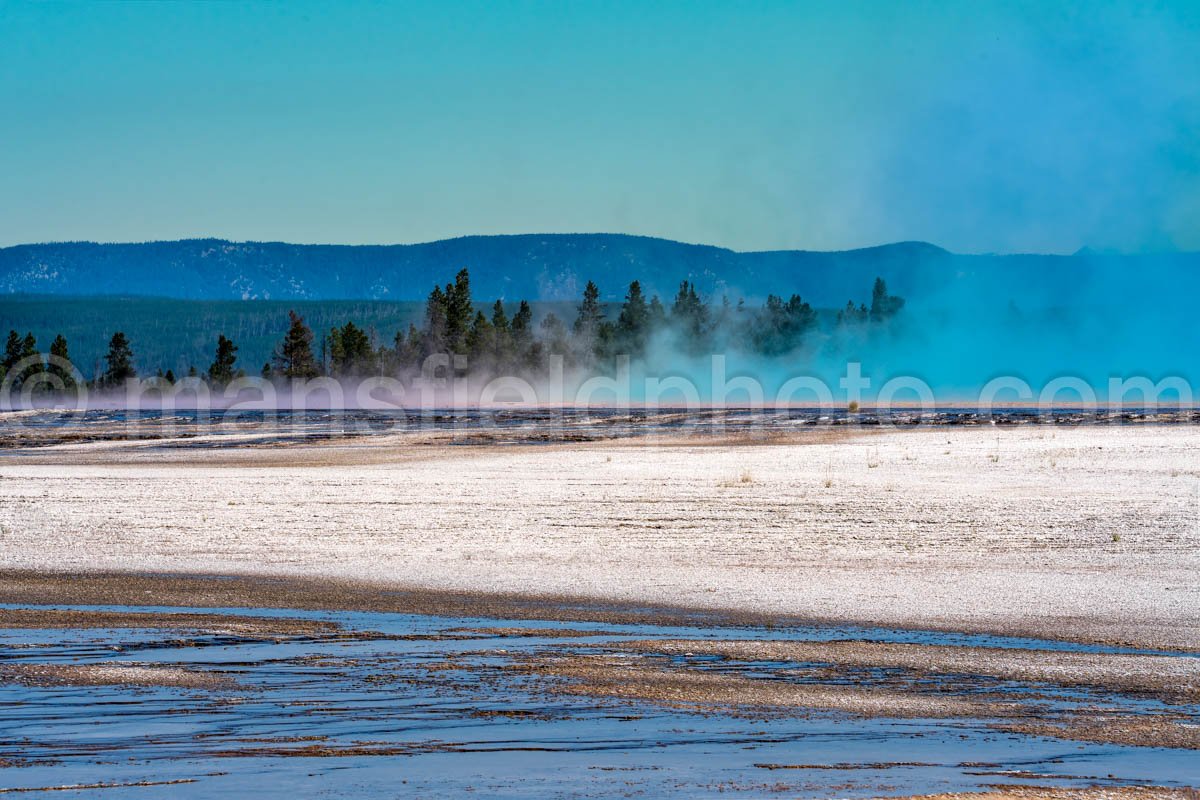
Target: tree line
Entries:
(453, 324)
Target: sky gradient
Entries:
(1015, 127)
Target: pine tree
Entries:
(29, 346)
(35, 365)
(221, 371)
(12, 351)
(633, 322)
(294, 357)
(60, 364)
(119, 362)
(435, 339)
(350, 352)
(883, 305)
(690, 315)
(458, 312)
(522, 326)
(502, 336)
(526, 349)
(780, 327)
(852, 314)
(587, 323)
(408, 348)
(656, 315)
(481, 339)
(169, 377)
(554, 333)
(592, 335)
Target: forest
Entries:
(493, 338)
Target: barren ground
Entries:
(1070, 532)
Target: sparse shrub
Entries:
(872, 459)
(744, 479)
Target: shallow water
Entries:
(442, 713)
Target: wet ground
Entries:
(216, 427)
(310, 703)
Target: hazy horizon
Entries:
(898, 242)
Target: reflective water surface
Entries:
(385, 705)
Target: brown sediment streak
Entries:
(29, 587)
(161, 442)
(219, 624)
(41, 587)
(1174, 678)
(123, 673)
(831, 679)
(1136, 731)
(78, 787)
(1002, 792)
(613, 676)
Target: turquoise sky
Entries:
(980, 127)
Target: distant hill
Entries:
(555, 267)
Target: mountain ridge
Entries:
(531, 266)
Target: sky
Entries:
(980, 127)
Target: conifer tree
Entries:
(480, 339)
(656, 315)
(350, 352)
(34, 364)
(499, 318)
(12, 351)
(436, 338)
(527, 350)
(29, 346)
(119, 362)
(592, 334)
(587, 323)
(883, 305)
(633, 322)
(221, 372)
(458, 312)
(294, 357)
(59, 367)
(408, 348)
(852, 314)
(522, 327)
(690, 315)
(502, 336)
(554, 333)
(780, 327)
